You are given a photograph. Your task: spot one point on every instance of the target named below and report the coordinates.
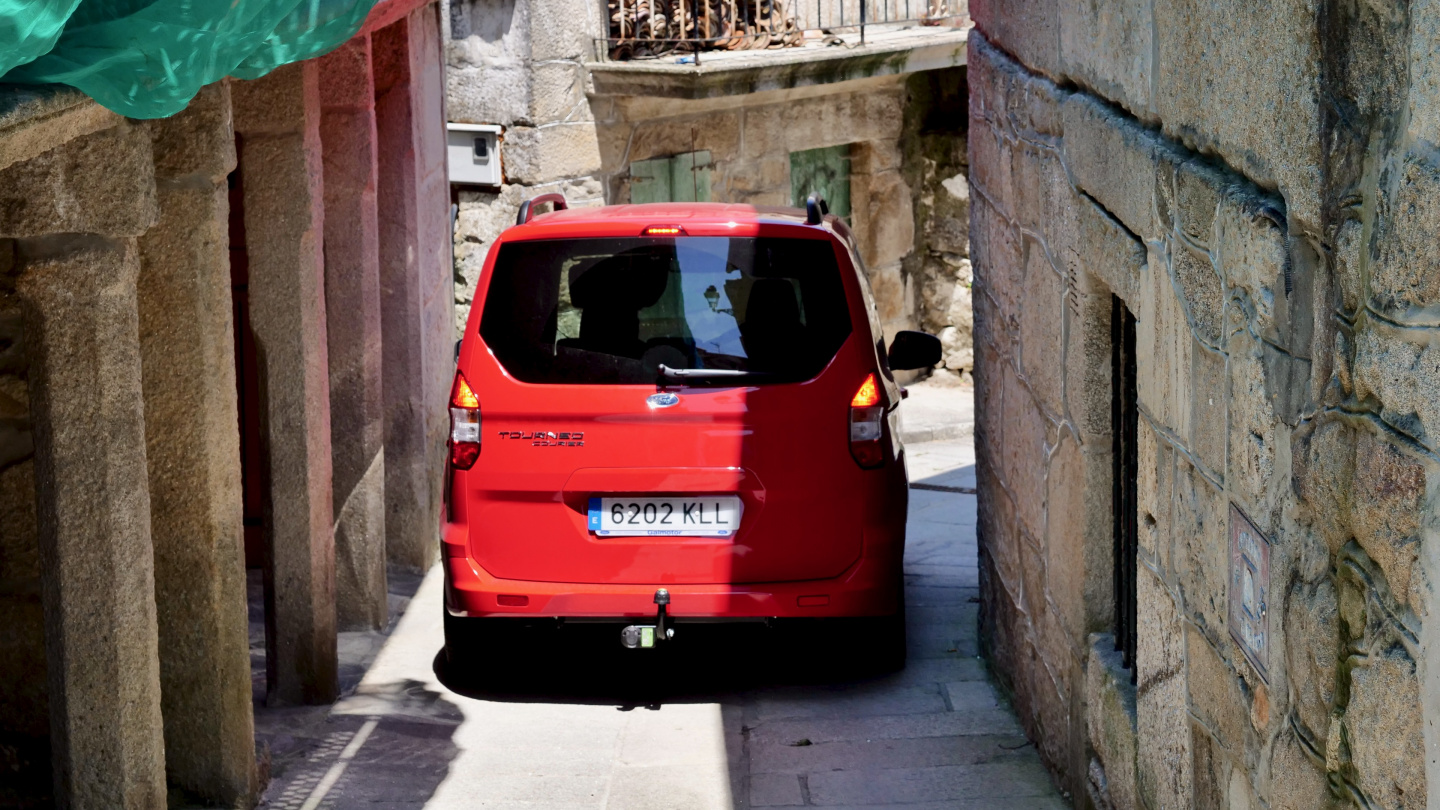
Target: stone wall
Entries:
(1256, 183)
(510, 65)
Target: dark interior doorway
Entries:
(1124, 427)
(247, 382)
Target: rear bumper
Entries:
(870, 587)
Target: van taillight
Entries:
(867, 419)
(464, 424)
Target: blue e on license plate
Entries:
(707, 516)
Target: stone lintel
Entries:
(78, 298)
(188, 362)
(278, 120)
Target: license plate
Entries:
(709, 516)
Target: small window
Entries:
(1124, 427)
(680, 178)
(826, 170)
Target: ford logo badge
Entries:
(662, 400)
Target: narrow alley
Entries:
(729, 717)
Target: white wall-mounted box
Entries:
(474, 153)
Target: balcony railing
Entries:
(642, 29)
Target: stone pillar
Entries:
(352, 301)
(277, 119)
(76, 292)
(187, 358)
(78, 297)
(415, 281)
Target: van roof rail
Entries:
(815, 209)
(555, 198)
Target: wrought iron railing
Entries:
(652, 28)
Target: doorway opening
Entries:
(1124, 430)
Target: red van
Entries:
(671, 413)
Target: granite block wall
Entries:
(1256, 183)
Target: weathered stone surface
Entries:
(97, 568)
(352, 333)
(999, 538)
(1163, 762)
(1388, 510)
(187, 355)
(999, 264)
(1264, 117)
(1216, 694)
(557, 92)
(497, 92)
(1110, 712)
(1201, 548)
(534, 155)
(1349, 268)
(1025, 431)
(1160, 642)
(887, 234)
(1423, 122)
(1066, 539)
(1198, 187)
(1155, 465)
(36, 118)
(1312, 639)
(1324, 469)
(1386, 741)
(1042, 318)
(990, 155)
(101, 183)
(1030, 29)
(416, 279)
(1406, 273)
(1297, 782)
(1110, 47)
(1197, 282)
(1254, 443)
(1113, 160)
(1111, 253)
(278, 118)
(1401, 374)
(1208, 417)
(1250, 248)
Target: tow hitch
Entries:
(645, 636)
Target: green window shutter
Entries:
(650, 181)
(690, 177)
(682, 178)
(826, 170)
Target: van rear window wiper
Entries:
(711, 373)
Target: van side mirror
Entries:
(914, 350)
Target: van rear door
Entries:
(669, 378)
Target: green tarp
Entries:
(148, 58)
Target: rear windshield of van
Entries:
(615, 310)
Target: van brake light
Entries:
(867, 422)
(464, 424)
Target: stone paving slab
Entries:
(723, 723)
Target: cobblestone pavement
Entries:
(727, 718)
